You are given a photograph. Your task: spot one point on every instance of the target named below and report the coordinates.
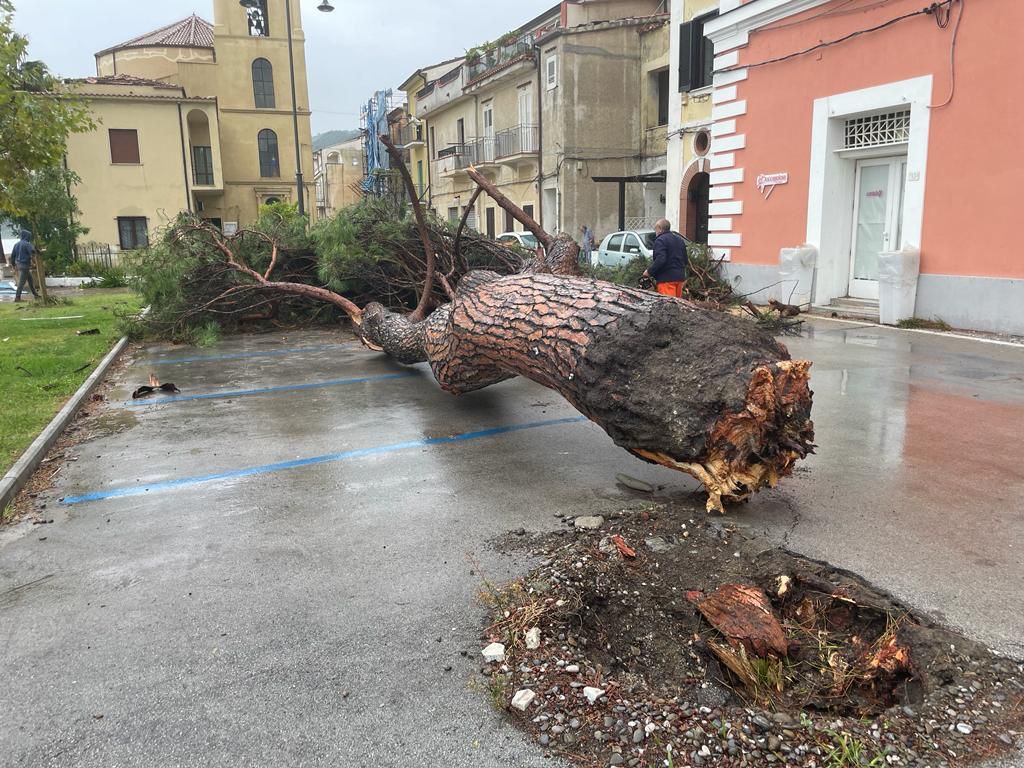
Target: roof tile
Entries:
(193, 32)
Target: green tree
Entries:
(36, 117)
(41, 202)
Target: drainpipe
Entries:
(540, 140)
(184, 160)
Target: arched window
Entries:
(270, 165)
(263, 84)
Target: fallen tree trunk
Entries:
(692, 389)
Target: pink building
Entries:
(862, 128)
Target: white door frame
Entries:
(832, 176)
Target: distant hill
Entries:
(329, 138)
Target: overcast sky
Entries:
(365, 45)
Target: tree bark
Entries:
(695, 390)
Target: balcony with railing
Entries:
(442, 91)
(514, 142)
(409, 135)
(499, 57)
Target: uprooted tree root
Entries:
(795, 653)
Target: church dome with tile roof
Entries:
(193, 32)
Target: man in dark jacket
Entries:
(668, 268)
(21, 257)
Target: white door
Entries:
(525, 107)
(877, 220)
(488, 148)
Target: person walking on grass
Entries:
(669, 265)
(21, 257)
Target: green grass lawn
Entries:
(43, 361)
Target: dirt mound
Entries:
(700, 648)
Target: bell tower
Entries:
(253, 86)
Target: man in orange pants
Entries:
(668, 268)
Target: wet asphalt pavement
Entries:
(280, 567)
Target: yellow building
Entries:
(338, 173)
(689, 142)
(566, 115)
(194, 116)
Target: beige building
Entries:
(194, 116)
(690, 135)
(338, 173)
(562, 114)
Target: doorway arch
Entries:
(694, 200)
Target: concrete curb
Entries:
(16, 477)
(945, 334)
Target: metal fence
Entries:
(99, 255)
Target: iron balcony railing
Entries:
(517, 140)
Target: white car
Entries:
(525, 239)
(620, 248)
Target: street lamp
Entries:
(325, 7)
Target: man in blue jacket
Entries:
(21, 257)
(668, 268)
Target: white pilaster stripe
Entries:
(727, 208)
(732, 109)
(728, 239)
(720, 224)
(732, 176)
(723, 127)
(730, 143)
(730, 77)
(726, 160)
(726, 60)
(723, 94)
(721, 192)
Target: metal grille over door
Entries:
(882, 130)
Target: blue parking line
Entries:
(167, 485)
(265, 390)
(243, 355)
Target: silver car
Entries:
(620, 248)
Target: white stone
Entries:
(533, 639)
(593, 694)
(523, 699)
(589, 523)
(964, 728)
(494, 652)
(572, 669)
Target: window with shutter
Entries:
(124, 146)
(696, 54)
(684, 56)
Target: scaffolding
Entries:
(379, 177)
